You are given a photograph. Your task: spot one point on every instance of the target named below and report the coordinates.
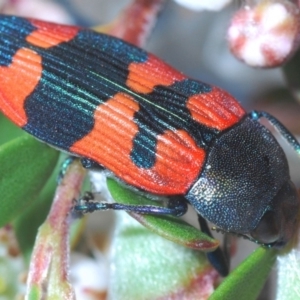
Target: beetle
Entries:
(122, 109)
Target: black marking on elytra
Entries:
(13, 32)
(77, 77)
(166, 109)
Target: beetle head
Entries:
(279, 223)
(245, 186)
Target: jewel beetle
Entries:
(124, 110)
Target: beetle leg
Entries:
(90, 164)
(218, 258)
(175, 207)
(256, 115)
(86, 163)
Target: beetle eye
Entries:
(267, 230)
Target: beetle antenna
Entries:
(256, 115)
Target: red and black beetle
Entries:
(123, 109)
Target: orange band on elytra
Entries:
(143, 77)
(17, 81)
(49, 34)
(216, 109)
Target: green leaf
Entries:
(171, 228)
(26, 224)
(247, 280)
(11, 130)
(26, 165)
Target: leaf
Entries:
(146, 266)
(26, 224)
(247, 280)
(26, 164)
(288, 278)
(171, 228)
(11, 130)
